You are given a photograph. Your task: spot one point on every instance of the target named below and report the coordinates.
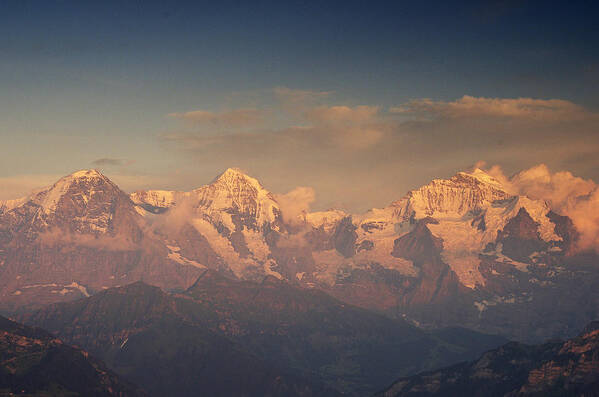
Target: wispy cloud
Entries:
(237, 118)
(566, 193)
(341, 127)
(107, 162)
(296, 203)
(471, 107)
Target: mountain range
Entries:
(271, 337)
(461, 251)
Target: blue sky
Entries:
(87, 81)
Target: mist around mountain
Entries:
(75, 238)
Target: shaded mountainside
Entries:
(569, 368)
(33, 362)
(150, 337)
(257, 333)
(322, 336)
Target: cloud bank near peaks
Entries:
(565, 193)
(361, 155)
(295, 204)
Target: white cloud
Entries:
(111, 162)
(567, 194)
(296, 203)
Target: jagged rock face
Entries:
(471, 253)
(520, 238)
(229, 219)
(565, 229)
(419, 245)
(436, 280)
(82, 204)
(238, 194)
(344, 238)
(568, 368)
(232, 193)
(237, 216)
(470, 210)
(459, 195)
(75, 238)
(85, 202)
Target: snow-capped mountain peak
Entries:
(89, 173)
(463, 231)
(82, 183)
(483, 177)
(48, 197)
(442, 198)
(84, 202)
(235, 191)
(234, 178)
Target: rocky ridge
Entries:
(569, 368)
